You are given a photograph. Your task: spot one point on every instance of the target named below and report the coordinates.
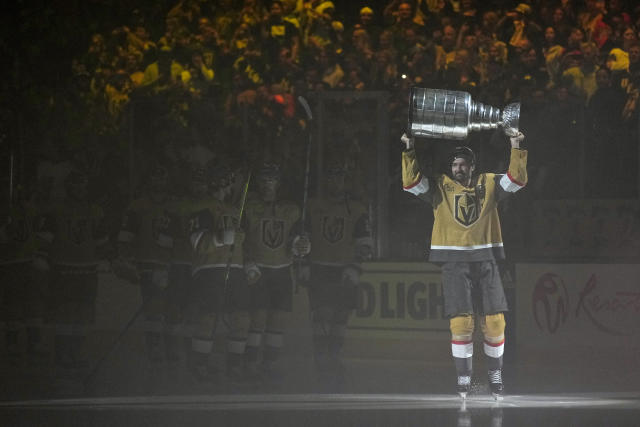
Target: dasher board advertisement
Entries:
(399, 300)
(578, 306)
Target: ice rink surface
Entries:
(327, 409)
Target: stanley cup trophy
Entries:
(448, 114)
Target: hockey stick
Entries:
(87, 380)
(307, 169)
(305, 193)
(233, 245)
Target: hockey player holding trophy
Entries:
(466, 239)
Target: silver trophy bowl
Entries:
(448, 114)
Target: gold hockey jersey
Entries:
(466, 224)
(75, 233)
(211, 216)
(336, 227)
(269, 226)
(146, 232)
(181, 212)
(18, 241)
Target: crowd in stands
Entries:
(496, 50)
(571, 63)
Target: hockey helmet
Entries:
(269, 171)
(219, 173)
(464, 153)
(198, 175)
(198, 183)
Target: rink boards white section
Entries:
(560, 308)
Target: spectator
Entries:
(224, 20)
(408, 43)
(312, 79)
(399, 15)
(285, 71)
(460, 74)
(199, 76)
(249, 59)
(422, 68)
(561, 25)
(332, 72)
(164, 72)
(568, 7)
(207, 36)
(354, 80)
(139, 41)
(489, 23)
(244, 42)
(445, 51)
(469, 12)
(324, 30)
(495, 74)
(618, 63)
(367, 23)
(361, 49)
(576, 37)
(277, 33)
(117, 92)
(384, 71)
(252, 14)
(616, 15)
(629, 38)
(386, 43)
(527, 73)
(517, 27)
(581, 74)
(132, 67)
(96, 56)
(591, 20)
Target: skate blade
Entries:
(463, 395)
(498, 397)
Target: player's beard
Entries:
(461, 177)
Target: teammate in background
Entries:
(339, 241)
(76, 238)
(182, 210)
(466, 241)
(268, 258)
(24, 278)
(219, 281)
(146, 238)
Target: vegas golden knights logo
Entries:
(333, 228)
(272, 232)
(467, 208)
